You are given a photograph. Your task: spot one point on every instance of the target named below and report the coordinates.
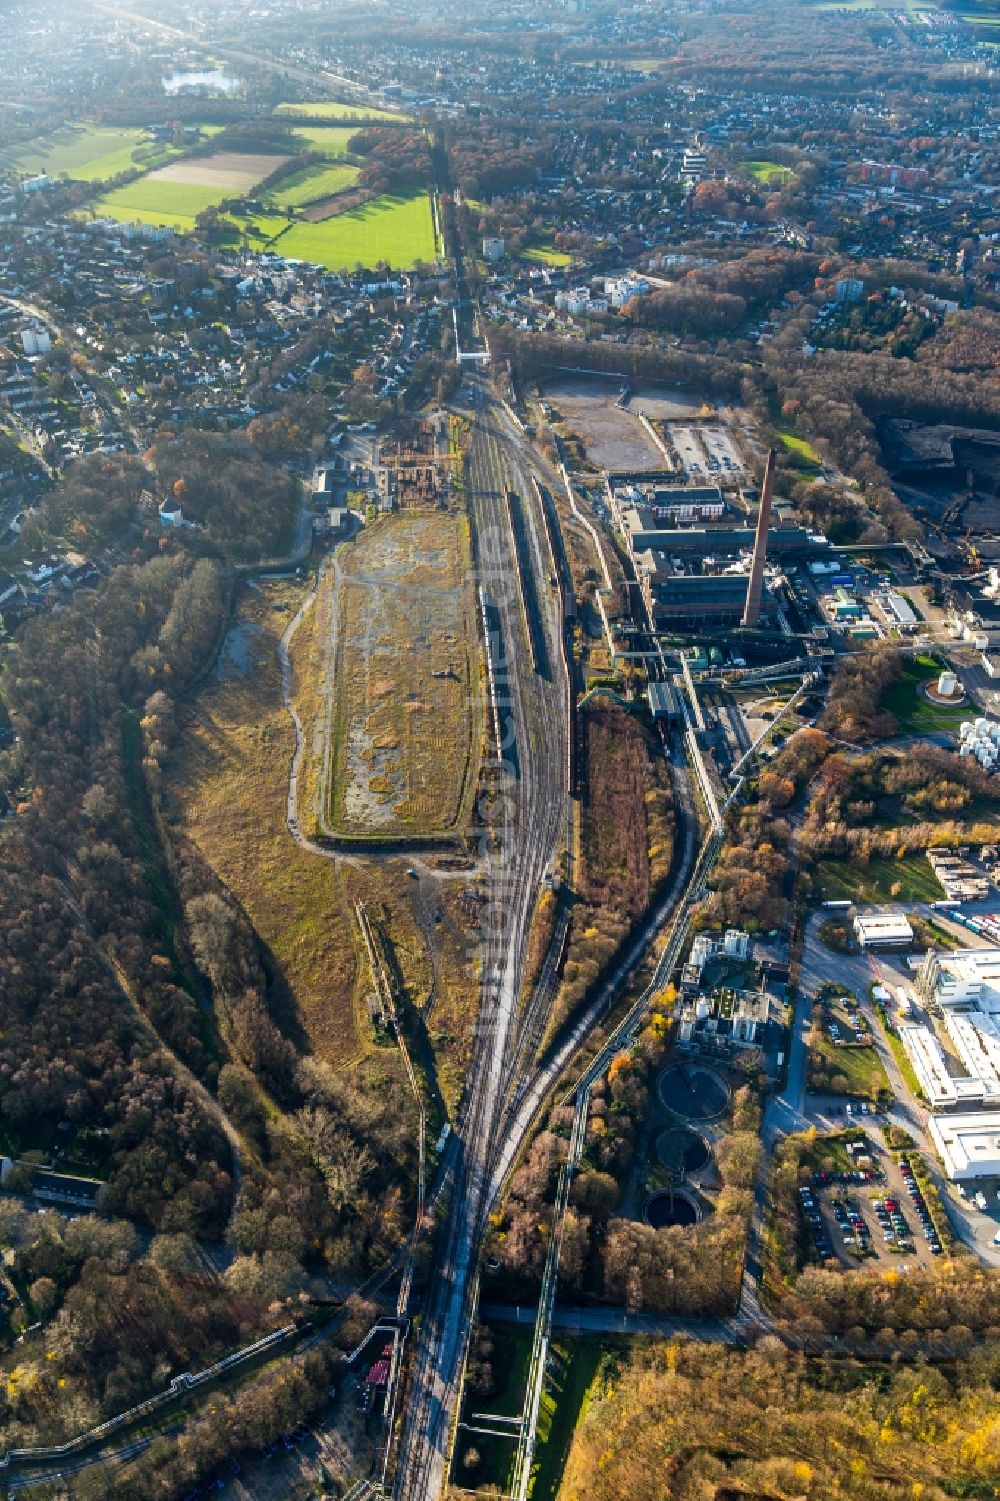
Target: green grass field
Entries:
(801, 449)
(329, 110)
(86, 153)
(915, 712)
(154, 201)
(545, 255)
(764, 171)
(398, 230)
(847, 880)
(860, 1067)
(306, 187)
(328, 140)
(259, 228)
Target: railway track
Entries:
(529, 801)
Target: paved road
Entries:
(617, 1321)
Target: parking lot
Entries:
(689, 450)
(719, 445)
(873, 1212)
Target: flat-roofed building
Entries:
(968, 979)
(970, 1075)
(969, 1145)
(942, 1089)
(883, 930)
(663, 701)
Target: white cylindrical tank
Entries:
(966, 729)
(982, 724)
(947, 683)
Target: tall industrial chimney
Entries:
(751, 614)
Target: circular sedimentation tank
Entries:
(694, 1091)
(672, 1207)
(682, 1150)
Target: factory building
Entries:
(968, 980)
(969, 1145)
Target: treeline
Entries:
(838, 397)
(268, 1406)
(887, 803)
(486, 158)
(854, 708)
(761, 277)
(680, 1421)
(96, 998)
(626, 839)
(533, 356)
(392, 159)
(747, 883)
(244, 506)
(685, 308)
(119, 1325)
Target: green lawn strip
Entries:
(573, 1368)
(398, 230)
(895, 1045)
(848, 880)
(310, 185)
(327, 109)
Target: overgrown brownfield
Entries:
(227, 786)
(626, 843)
